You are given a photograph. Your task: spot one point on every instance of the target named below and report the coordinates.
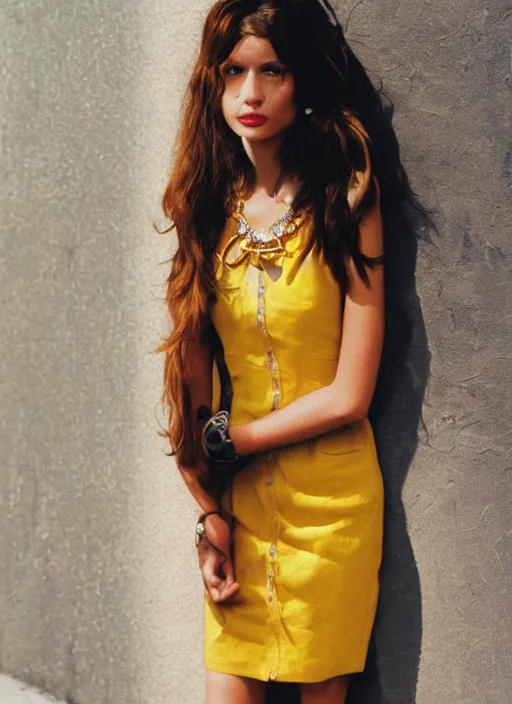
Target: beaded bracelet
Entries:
(200, 529)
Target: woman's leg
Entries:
(233, 689)
(331, 691)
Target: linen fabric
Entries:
(309, 517)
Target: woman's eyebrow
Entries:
(233, 61)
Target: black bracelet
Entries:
(219, 447)
(217, 443)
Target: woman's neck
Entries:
(268, 169)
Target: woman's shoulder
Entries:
(226, 231)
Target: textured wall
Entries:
(100, 596)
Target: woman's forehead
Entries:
(253, 49)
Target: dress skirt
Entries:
(307, 551)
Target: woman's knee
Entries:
(319, 691)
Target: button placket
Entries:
(270, 360)
(275, 615)
(271, 477)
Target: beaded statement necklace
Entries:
(271, 239)
(286, 224)
(260, 245)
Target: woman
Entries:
(276, 196)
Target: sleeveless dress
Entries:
(309, 517)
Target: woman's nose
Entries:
(251, 90)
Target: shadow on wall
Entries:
(391, 670)
(392, 667)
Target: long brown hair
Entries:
(348, 131)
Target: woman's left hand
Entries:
(216, 563)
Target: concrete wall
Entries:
(100, 596)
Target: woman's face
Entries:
(257, 82)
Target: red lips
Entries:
(252, 119)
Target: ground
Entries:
(14, 691)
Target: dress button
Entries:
(273, 550)
(273, 676)
(270, 480)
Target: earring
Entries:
(308, 111)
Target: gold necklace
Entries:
(269, 239)
(262, 244)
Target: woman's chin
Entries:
(253, 136)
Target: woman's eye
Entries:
(274, 70)
(236, 70)
(230, 70)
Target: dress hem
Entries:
(299, 678)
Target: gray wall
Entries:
(100, 596)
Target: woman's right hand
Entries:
(218, 571)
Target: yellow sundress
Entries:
(309, 517)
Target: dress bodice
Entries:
(281, 335)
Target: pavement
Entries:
(14, 691)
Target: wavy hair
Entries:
(349, 131)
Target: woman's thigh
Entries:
(233, 689)
(331, 691)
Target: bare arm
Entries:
(218, 572)
(199, 363)
(206, 501)
(347, 398)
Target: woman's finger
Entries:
(228, 569)
(229, 587)
(221, 588)
(230, 595)
(214, 582)
(209, 570)
(225, 594)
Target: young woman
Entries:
(276, 195)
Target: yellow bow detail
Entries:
(252, 252)
(275, 251)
